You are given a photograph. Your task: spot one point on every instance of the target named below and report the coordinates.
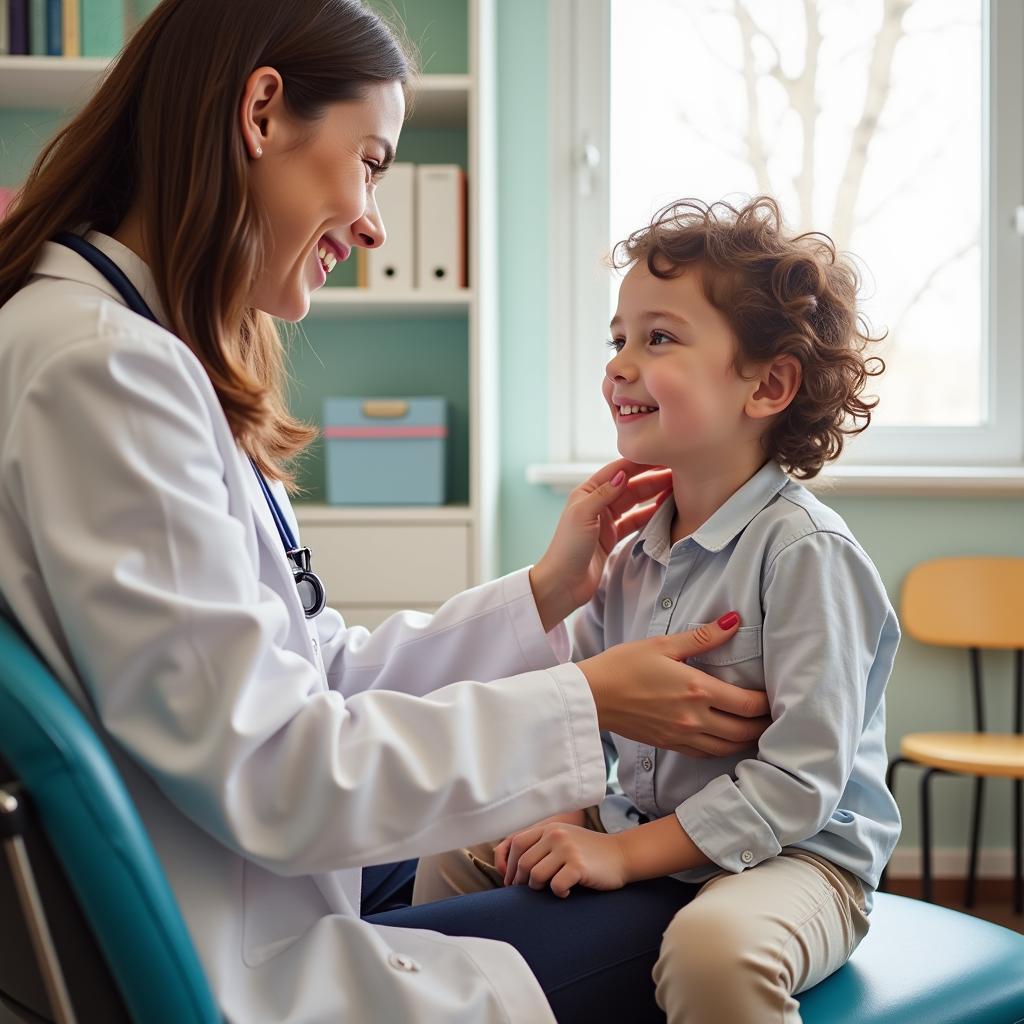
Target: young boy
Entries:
(737, 355)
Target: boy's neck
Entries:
(701, 489)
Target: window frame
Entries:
(579, 138)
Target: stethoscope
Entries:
(311, 590)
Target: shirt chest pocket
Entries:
(737, 661)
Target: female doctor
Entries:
(148, 548)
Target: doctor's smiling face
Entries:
(314, 183)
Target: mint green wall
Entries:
(527, 514)
(439, 29)
(22, 133)
(928, 690)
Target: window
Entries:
(890, 124)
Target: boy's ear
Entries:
(777, 384)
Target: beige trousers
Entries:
(740, 950)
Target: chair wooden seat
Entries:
(989, 754)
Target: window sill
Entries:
(956, 481)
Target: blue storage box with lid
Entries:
(385, 451)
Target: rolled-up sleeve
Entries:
(825, 615)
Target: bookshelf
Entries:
(61, 83)
(361, 342)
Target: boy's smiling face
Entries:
(674, 357)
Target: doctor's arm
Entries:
(133, 510)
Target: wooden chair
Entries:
(974, 603)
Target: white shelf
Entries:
(53, 83)
(441, 101)
(330, 515)
(62, 83)
(352, 302)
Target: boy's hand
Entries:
(501, 850)
(562, 856)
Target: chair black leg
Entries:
(890, 782)
(1018, 896)
(926, 835)
(972, 867)
(890, 774)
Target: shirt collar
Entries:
(655, 539)
(58, 260)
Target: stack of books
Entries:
(68, 28)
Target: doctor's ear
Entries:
(777, 383)
(261, 109)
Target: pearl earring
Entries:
(259, 151)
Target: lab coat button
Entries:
(403, 962)
(747, 856)
(666, 602)
(647, 764)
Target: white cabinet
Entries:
(377, 561)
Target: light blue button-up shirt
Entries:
(818, 635)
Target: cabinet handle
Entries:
(385, 409)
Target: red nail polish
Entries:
(728, 620)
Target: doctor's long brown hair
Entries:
(162, 130)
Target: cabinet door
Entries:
(389, 566)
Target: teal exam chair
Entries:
(89, 930)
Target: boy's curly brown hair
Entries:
(782, 295)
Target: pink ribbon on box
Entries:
(336, 432)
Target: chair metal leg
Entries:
(1018, 895)
(972, 866)
(32, 908)
(926, 834)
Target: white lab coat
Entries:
(269, 757)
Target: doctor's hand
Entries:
(597, 515)
(643, 692)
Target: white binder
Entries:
(392, 266)
(440, 227)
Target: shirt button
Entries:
(747, 856)
(647, 764)
(666, 602)
(403, 962)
